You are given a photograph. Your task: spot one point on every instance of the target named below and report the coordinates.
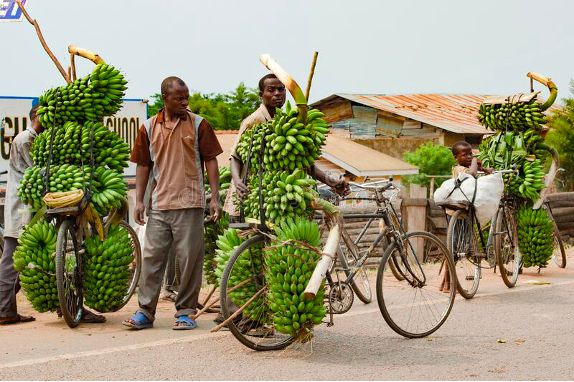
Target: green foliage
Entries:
(222, 111)
(431, 159)
(561, 137)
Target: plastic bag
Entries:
(140, 230)
(489, 189)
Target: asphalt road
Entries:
(522, 333)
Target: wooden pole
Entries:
(95, 58)
(238, 312)
(73, 66)
(43, 42)
(311, 73)
(209, 294)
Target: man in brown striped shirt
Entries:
(173, 147)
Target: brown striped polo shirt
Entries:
(176, 155)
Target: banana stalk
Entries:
(329, 250)
(289, 83)
(551, 87)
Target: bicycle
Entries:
(463, 229)
(407, 280)
(559, 254)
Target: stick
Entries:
(43, 42)
(311, 73)
(205, 307)
(73, 65)
(213, 287)
(234, 315)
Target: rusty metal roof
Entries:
(456, 113)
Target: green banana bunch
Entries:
(285, 195)
(72, 146)
(64, 177)
(535, 237)
(250, 263)
(34, 260)
(109, 190)
(86, 99)
(293, 144)
(107, 271)
(289, 269)
(516, 116)
(224, 183)
(531, 180)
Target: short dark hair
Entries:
(33, 112)
(455, 149)
(167, 84)
(262, 80)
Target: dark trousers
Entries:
(9, 284)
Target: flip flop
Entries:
(92, 318)
(138, 321)
(15, 320)
(184, 323)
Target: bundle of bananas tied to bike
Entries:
(248, 264)
(89, 98)
(289, 269)
(34, 260)
(519, 145)
(72, 146)
(535, 237)
(107, 269)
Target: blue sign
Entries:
(10, 11)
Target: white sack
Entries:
(140, 230)
(489, 189)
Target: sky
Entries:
(365, 46)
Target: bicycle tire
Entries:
(461, 249)
(559, 258)
(507, 252)
(69, 274)
(435, 256)
(137, 263)
(252, 342)
(360, 282)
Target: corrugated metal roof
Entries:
(451, 112)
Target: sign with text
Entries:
(10, 11)
(14, 119)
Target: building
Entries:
(395, 124)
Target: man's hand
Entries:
(139, 213)
(241, 188)
(214, 209)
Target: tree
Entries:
(222, 111)
(561, 137)
(431, 159)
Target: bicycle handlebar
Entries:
(375, 185)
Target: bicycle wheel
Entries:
(461, 241)
(360, 282)
(416, 307)
(506, 246)
(134, 266)
(559, 254)
(239, 284)
(69, 274)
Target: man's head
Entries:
(462, 152)
(34, 120)
(175, 95)
(272, 91)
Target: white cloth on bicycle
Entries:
(489, 189)
(16, 213)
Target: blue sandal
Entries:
(138, 321)
(184, 323)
